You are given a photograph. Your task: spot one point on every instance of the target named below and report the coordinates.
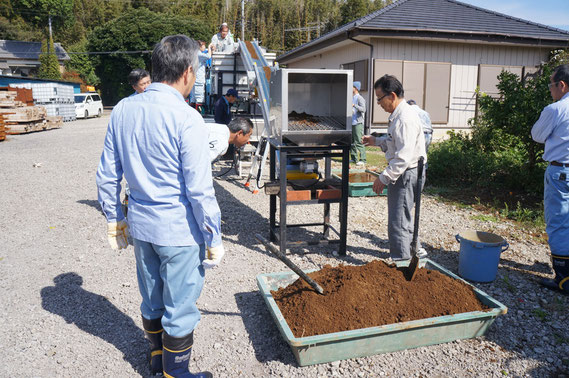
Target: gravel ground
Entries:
(69, 305)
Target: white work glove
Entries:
(213, 256)
(117, 234)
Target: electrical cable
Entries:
(34, 54)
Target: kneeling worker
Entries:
(220, 137)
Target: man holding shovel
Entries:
(552, 128)
(403, 145)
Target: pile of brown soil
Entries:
(370, 295)
(302, 119)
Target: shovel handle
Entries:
(417, 205)
(289, 263)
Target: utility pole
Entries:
(50, 37)
(243, 20)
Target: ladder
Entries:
(257, 68)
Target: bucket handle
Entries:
(504, 246)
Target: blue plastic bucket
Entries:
(479, 255)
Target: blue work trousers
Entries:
(556, 209)
(170, 280)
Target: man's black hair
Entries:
(241, 124)
(561, 73)
(388, 84)
(172, 56)
(136, 75)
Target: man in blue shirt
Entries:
(426, 121)
(197, 95)
(161, 146)
(222, 112)
(552, 128)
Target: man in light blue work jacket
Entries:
(161, 146)
(357, 149)
(552, 128)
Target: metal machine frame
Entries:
(278, 232)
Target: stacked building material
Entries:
(19, 117)
(2, 128)
(58, 99)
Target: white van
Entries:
(88, 105)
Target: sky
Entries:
(547, 12)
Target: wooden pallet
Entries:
(2, 128)
(13, 128)
(24, 114)
(20, 116)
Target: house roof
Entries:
(20, 50)
(449, 19)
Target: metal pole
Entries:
(273, 197)
(290, 264)
(282, 202)
(344, 200)
(50, 37)
(242, 20)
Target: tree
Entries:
(135, 30)
(37, 12)
(49, 65)
(354, 9)
(82, 64)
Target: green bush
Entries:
(49, 65)
(499, 154)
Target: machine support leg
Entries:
(283, 181)
(344, 201)
(326, 220)
(327, 175)
(273, 198)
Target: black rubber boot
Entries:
(153, 331)
(176, 357)
(561, 280)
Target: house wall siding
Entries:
(465, 58)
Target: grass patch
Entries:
(560, 339)
(485, 218)
(375, 159)
(524, 210)
(506, 280)
(540, 313)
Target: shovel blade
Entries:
(412, 268)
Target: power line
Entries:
(110, 52)
(34, 54)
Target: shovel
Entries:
(414, 264)
(289, 263)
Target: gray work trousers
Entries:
(400, 203)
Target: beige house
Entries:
(441, 50)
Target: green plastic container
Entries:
(360, 189)
(384, 339)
